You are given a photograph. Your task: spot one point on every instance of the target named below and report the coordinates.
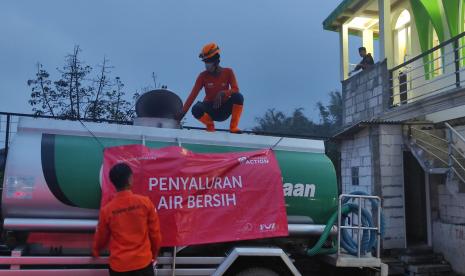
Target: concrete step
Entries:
(422, 259)
(428, 269)
(419, 261)
(396, 267)
(418, 250)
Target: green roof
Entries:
(328, 22)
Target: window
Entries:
(402, 38)
(437, 64)
(355, 176)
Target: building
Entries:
(404, 118)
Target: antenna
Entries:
(154, 77)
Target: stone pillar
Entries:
(390, 175)
(367, 41)
(385, 32)
(344, 51)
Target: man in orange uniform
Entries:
(130, 222)
(222, 97)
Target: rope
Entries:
(92, 134)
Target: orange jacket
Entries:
(130, 222)
(225, 81)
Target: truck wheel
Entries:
(257, 271)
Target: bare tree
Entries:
(71, 87)
(43, 97)
(96, 106)
(118, 108)
(77, 95)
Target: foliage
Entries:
(77, 95)
(331, 114)
(297, 123)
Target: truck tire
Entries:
(257, 271)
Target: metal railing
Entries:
(431, 144)
(448, 151)
(456, 148)
(434, 71)
(356, 224)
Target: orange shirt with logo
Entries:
(213, 84)
(130, 224)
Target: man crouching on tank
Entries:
(130, 223)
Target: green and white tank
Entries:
(53, 169)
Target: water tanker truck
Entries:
(51, 195)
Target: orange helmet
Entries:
(209, 50)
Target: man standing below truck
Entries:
(130, 223)
(222, 97)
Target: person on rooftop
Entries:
(367, 60)
(222, 98)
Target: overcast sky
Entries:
(282, 57)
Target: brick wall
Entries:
(356, 153)
(451, 206)
(449, 239)
(378, 154)
(448, 212)
(391, 184)
(363, 94)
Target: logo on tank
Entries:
(253, 160)
(299, 190)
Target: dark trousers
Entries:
(220, 114)
(146, 271)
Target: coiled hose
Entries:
(368, 239)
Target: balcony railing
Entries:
(435, 71)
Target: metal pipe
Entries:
(431, 145)
(339, 207)
(173, 270)
(7, 138)
(429, 134)
(430, 152)
(455, 132)
(359, 231)
(441, 45)
(88, 225)
(46, 224)
(308, 230)
(457, 63)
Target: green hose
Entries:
(318, 247)
(368, 239)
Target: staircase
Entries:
(439, 151)
(421, 261)
(430, 148)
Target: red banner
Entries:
(205, 198)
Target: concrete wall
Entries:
(363, 95)
(390, 182)
(449, 227)
(356, 152)
(377, 152)
(449, 239)
(448, 213)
